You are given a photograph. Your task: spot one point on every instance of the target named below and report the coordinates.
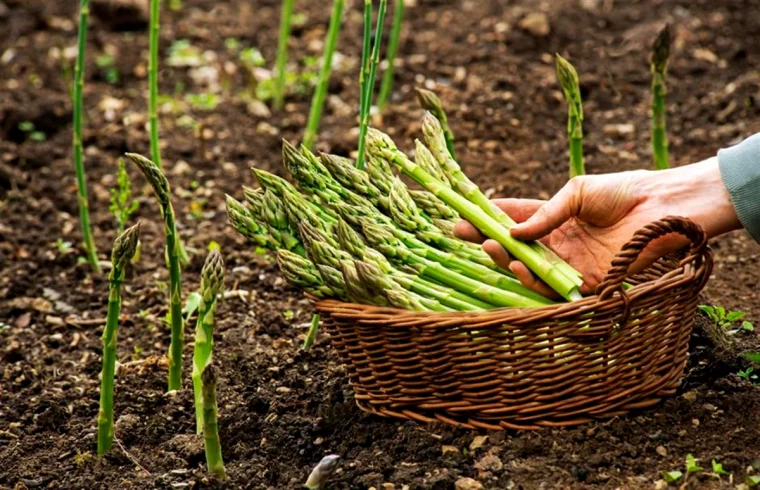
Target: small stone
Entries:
(709, 407)
(388, 486)
(618, 130)
(283, 389)
(257, 108)
(695, 422)
(467, 484)
(535, 23)
(449, 449)
(690, 396)
(478, 442)
(489, 462)
(181, 167)
(661, 451)
(704, 54)
(266, 128)
(660, 485)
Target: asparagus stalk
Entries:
(392, 248)
(315, 113)
(311, 335)
(123, 250)
(242, 221)
(351, 242)
(350, 177)
(430, 102)
(544, 265)
(211, 439)
(393, 42)
(282, 53)
(366, 56)
(433, 207)
(160, 185)
(375, 280)
(88, 242)
(568, 79)
(659, 69)
(155, 11)
(369, 84)
(356, 289)
(212, 282)
(322, 472)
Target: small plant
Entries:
(84, 207)
(322, 472)
(367, 74)
(432, 103)
(27, 127)
(692, 466)
(393, 42)
(748, 375)
(659, 69)
(282, 52)
(107, 65)
(155, 151)
(205, 101)
(123, 249)
(724, 318)
(122, 205)
(717, 469)
(288, 314)
(251, 58)
(161, 188)
(211, 439)
(183, 54)
(318, 100)
(753, 480)
(568, 80)
(311, 335)
(212, 282)
(64, 247)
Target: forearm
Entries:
(696, 192)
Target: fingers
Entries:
(526, 277)
(498, 254)
(517, 209)
(555, 212)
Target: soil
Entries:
(282, 409)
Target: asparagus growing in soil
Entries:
(160, 185)
(282, 53)
(315, 113)
(211, 439)
(311, 335)
(659, 68)
(430, 102)
(568, 80)
(393, 42)
(88, 242)
(322, 472)
(212, 282)
(155, 151)
(123, 249)
(365, 105)
(544, 265)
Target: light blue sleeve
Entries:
(740, 171)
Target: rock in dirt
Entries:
(618, 130)
(536, 24)
(467, 484)
(122, 14)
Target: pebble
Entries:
(618, 130)
(478, 442)
(690, 396)
(535, 23)
(467, 484)
(449, 449)
(283, 389)
(661, 451)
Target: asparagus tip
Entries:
(124, 246)
(661, 49)
(567, 75)
(325, 468)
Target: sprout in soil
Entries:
(211, 439)
(322, 472)
(320, 91)
(368, 73)
(212, 282)
(160, 185)
(155, 11)
(282, 53)
(123, 250)
(568, 80)
(311, 335)
(122, 205)
(659, 69)
(393, 42)
(82, 199)
(432, 103)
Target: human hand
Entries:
(592, 217)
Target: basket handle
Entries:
(617, 273)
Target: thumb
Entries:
(553, 214)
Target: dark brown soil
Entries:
(282, 409)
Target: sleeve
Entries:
(740, 171)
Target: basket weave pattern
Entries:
(531, 368)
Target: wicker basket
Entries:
(531, 368)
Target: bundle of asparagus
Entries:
(362, 235)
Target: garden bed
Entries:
(282, 409)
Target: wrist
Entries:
(696, 192)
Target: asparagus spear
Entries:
(211, 439)
(433, 207)
(344, 171)
(430, 102)
(282, 53)
(369, 84)
(375, 280)
(568, 79)
(161, 188)
(82, 199)
(311, 335)
(242, 221)
(356, 289)
(123, 250)
(322, 472)
(212, 282)
(385, 88)
(155, 150)
(659, 68)
(546, 266)
(302, 273)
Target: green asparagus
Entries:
(568, 79)
(211, 439)
(659, 68)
